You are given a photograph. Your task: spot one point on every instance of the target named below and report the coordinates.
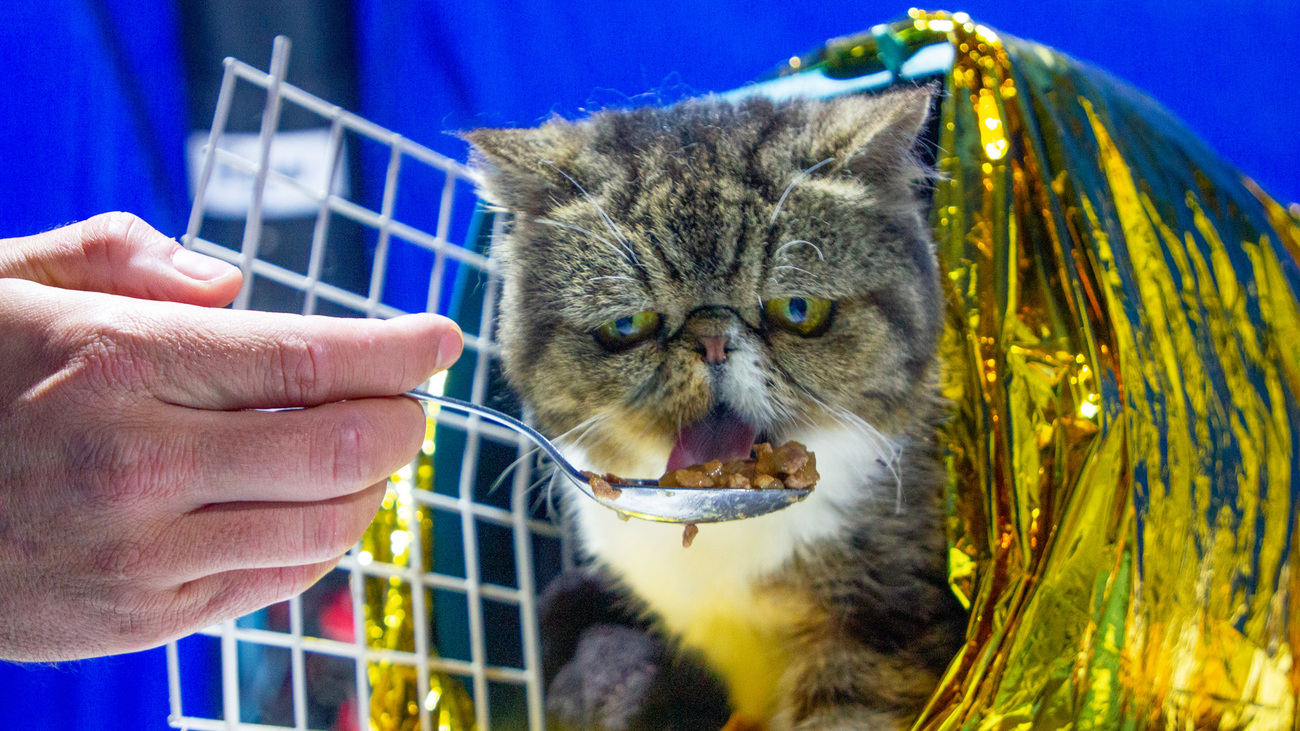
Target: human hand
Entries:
(141, 495)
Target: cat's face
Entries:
(679, 281)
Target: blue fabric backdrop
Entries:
(92, 118)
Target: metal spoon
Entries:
(645, 499)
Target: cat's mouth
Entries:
(722, 435)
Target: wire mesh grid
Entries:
(472, 623)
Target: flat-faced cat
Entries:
(677, 283)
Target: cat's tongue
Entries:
(721, 435)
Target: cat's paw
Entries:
(575, 602)
(854, 718)
(626, 679)
(604, 686)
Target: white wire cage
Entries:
(459, 561)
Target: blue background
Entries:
(89, 124)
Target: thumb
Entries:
(119, 253)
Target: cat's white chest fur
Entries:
(706, 594)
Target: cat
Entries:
(677, 283)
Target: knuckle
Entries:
(100, 466)
(290, 581)
(172, 618)
(116, 467)
(322, 534)
(218, 598)
(277, 585)
(145, 618)
(344, 456)
(123, 560)
(110, 351)
(328, 532)
(126, 613)
(114, 223)
(299, 362)
(108, 237)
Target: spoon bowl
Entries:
(644, 499)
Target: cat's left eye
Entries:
(805, 316)
(627, 331)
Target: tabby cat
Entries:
(678, 283)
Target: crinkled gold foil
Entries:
(388, 605)
(1123, 353)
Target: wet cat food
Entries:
(601, 487)
(688, 534)
(789, 466)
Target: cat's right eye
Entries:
(625, 332)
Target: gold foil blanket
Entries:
(1123, 358)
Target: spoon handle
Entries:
(542, 442)
(492, 414)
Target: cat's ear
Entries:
(872, 136)
(527, 169)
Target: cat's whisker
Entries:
(782, 413)
(623, 279)
(501, 478)
(543, 497)
(889, 461)
(574, 437)
(788, 244)
(801, 416)
(893, 450)
(797, 269)
(585, 425)
(546, 478)
(582, 429)
(893, 447)
(609, 222)
(550, 493)
(581, 230)
(793, 183)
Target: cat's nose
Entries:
(714, 348)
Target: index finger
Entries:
(268, 360)
(227, 359)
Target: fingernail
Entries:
(197, 266)
(449, 348)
